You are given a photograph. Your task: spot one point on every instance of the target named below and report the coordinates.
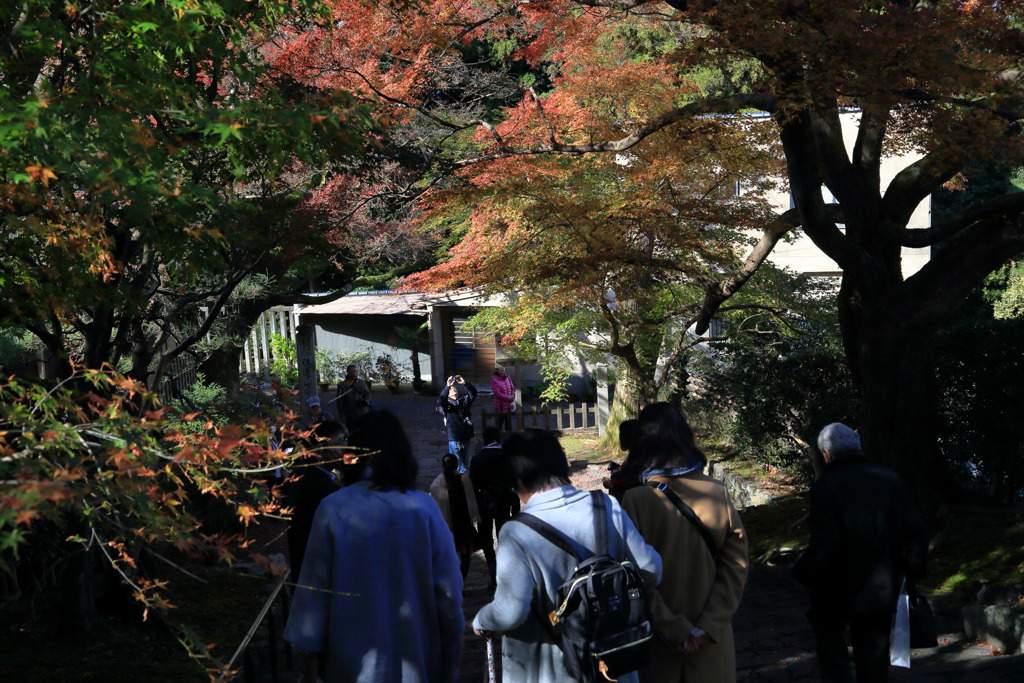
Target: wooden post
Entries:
(305, 352)
(602, 398)
(265, 339)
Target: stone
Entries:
(999, 626)
(1000, 595)
(743, 492)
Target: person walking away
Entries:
(693, 606)
(495, 495)
(454, 495)
(455, 405)
(308, 482)
(866, 536)
(623, 477)
(531, 568)
(352, 395)
(379, 599)
(504, 398)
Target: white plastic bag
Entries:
(899, 644)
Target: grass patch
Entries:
(779, 525)
(125, 648)
(216, 611)
(976, 545)
(586, 447)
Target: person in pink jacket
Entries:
(504, 398)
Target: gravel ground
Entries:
(587, 478)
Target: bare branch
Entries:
(543, 116)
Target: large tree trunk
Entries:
(221, 367)
(895, 369)
(632, 392)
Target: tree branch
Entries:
(731, 104)
(718, 293)
(932, 295)
(1006, 206)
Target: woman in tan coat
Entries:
(701, 588)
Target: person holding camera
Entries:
(455, 406)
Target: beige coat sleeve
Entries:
(730, 578)
(439, 492)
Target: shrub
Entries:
(208, 399)
(284, 363)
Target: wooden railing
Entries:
(574, 418)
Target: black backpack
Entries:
(602, 623)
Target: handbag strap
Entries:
(689, 514)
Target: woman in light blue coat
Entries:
(380, 595)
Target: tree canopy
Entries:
(150, 161)
(940, 78)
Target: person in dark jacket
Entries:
(454, 495)
(308, 483)
(455, 405)
(866, 536)
(495, 494)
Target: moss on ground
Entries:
(781, 524)
(975, 546)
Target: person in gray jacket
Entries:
(530, 568)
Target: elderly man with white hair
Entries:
(866, 536)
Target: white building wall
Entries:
(802, 256)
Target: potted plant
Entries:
(388, 372)
(330, 365)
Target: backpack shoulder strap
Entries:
(556, 537)
(600, 522)
(689, 514)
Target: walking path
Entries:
(773, 640)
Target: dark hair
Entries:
(491, 434)
(380, 434)
(535, 460)
(664, 440)
(449, 463)
(629, 430)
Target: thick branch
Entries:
(916, 182)
(1006, 206)
(933, 294)
(233, 281)
(717, 294)
(731, 104)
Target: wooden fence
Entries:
(574, 418)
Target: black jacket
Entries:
(866, 535)
(456, 414)
(303, 491)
